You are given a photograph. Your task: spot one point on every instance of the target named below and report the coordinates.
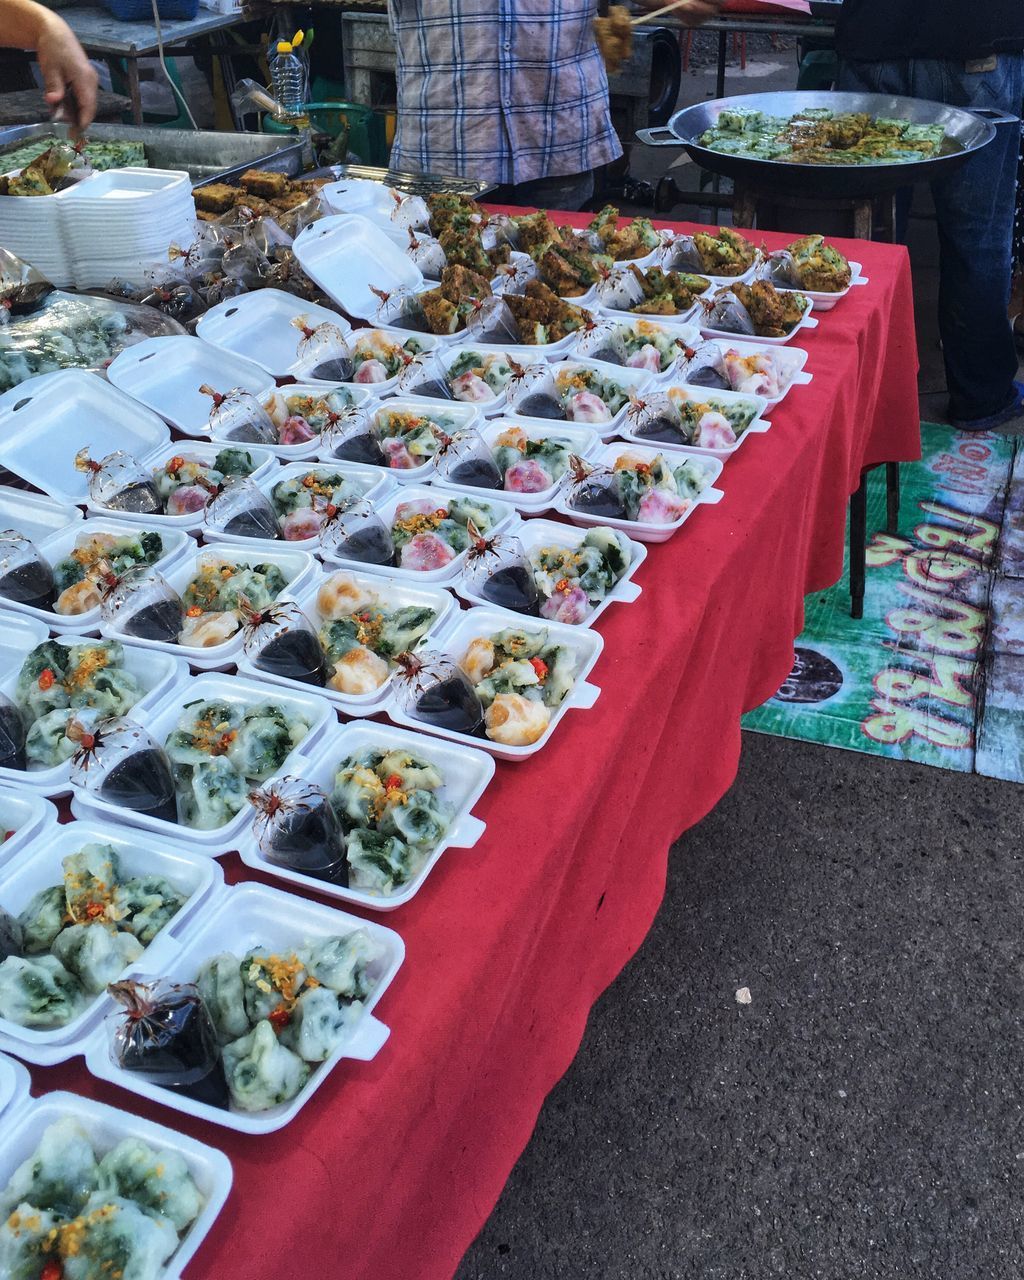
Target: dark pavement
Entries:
(861, 1117)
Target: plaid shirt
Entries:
(503, 90)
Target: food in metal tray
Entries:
(810, 263)
(646, 490)
(821, 136)
(45, 174)
(361, 636)
(520, 678)
(58, 682)
(74, 938)
(69, 1212)
(275, 1014)
(755, 310)
(218, 748)
(683, 417)
(97, 155)
(392, 809)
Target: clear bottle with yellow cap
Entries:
(290, 80)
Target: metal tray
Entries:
(413, 184)
(208, 156)
(971, 130)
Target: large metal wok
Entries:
(966, 133)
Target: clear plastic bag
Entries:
(238, 416)
(725, 312)
(296, 827)
(704, 366)
(48, 329)
(165, 1035)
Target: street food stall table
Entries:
(395, 1166)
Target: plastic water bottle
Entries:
(291, 90)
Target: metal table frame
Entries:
(106, 37)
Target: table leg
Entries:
(858, 547)
(744, 207)
(892, 496)
(863, 211)
(131, 66)
(720, 81)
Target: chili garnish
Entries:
(540, 666)
(280, 1018)
(46, 678)
(393, 782)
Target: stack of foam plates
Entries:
(30, 227)
(120, 222)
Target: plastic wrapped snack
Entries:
(47, 329)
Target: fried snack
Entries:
(542, 316)
(774, 314)
(614, 37)
(724, 254)
(291, 200)
(818, 266)
(261, 182)
(465, 249)
(218, 197)
(447, 307)
(537, 232)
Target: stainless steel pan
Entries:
(969, 131)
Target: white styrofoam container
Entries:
(624, 313)
(534, 534)
(448, 416)
(200, 451)
(28, 816)
(484, 621)
(386, 508)
(177, 545)
(165, 374)
(26, 1119)
(466, 772)
(392, 594)
(34, 515)
(296, 565)
(704, 395)
(236, 920)
(358, 397)
(687, 334)
(162, 719)
(632, 381)
(791, 359)
(585, 441)
(524, 356)
(348, 256)
(158, 674)
(823, 301)
(259, 327)
(428, 342)
(191, 873)
(663, 258)
(375, 483)
(807, 321)
(640, 530)
(374, 200)
(46, 420)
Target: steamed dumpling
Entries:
(261, 1072)
(207, 630)
(479, 660)
(38, 992)
(425, 552)
(115, 1227)
(515, 721)
(81, 597)
(358, 671)
(95, 954)
(340, 596)
(220, 984)
(319, 1023)
(157, 1181)
(60, 1175)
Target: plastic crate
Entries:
(142, 10)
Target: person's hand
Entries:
(63, 64)
(691, 13)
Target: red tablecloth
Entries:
(394, 1167)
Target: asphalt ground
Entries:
(861, 1117)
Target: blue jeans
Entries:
(974, 206)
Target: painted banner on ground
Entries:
(907, 680)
